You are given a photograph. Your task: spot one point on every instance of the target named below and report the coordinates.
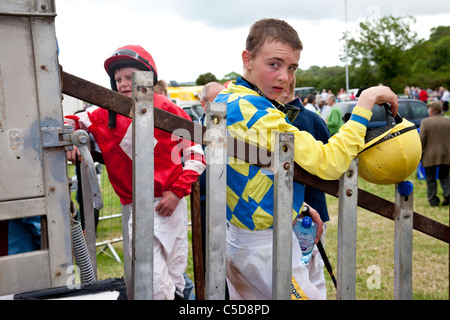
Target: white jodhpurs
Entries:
(170, 249)
(249, 266)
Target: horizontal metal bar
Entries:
(113, 216)
(28, 14)
(15, 272)
(98, 244)
(24, 208)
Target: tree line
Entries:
(385, 51)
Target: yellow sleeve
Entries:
(327, 161)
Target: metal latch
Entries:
(80, 139)
(53, 137)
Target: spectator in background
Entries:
(445, 98)
(434, 133)
(161, 88)
(324, 95)
(352, 96)
(415, 93)
(325, 110)
(407, 91)
(311, 103)
(209, 93)
(423, 95)
(334, 121)
(24, 235)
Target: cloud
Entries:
(189, 38)
(229, 14)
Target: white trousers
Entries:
(170, 249)
(249, 267)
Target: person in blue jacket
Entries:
(24, 235)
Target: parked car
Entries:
(302, 92)
(411, 109)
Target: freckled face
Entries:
(123, 78)
(273, 68)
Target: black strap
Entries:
(256, 89)
(111, 119)
(390, 136)
(286, 109)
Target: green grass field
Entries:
(375, 248)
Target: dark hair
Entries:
(271, 30)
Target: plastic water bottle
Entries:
(305, 230)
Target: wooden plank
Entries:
(197, 242)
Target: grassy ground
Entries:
(375, 249)
(375, 246)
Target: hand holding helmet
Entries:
(370, 96)
(390, 153)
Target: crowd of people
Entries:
(324, 104)
(428, 95)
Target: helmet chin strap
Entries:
(290, 111)
(390, 119)
(112, 119)
(111, 114)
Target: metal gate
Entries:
(33, 171)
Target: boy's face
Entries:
(273, 68)
(123, 78)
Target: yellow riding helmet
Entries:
(390, 153)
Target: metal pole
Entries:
(403, 246)
(216, 195)
(282, 216)
(346, 50)
(346, 251)
(143, 186)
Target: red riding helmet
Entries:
(130, 56)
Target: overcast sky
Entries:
(190, 37)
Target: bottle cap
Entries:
(306, 222)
